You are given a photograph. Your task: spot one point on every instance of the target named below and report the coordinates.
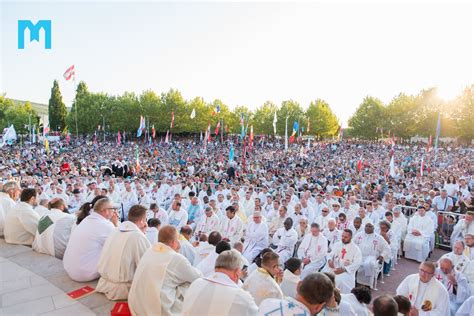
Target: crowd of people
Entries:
(240, 229)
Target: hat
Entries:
(76, 191)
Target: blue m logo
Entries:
(34, 32)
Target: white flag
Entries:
(193, 114)
(275, 123)
(392, 167)
(9, 136)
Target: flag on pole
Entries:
(295, 130)
(275, 123)
(119, 138)
(218, 109)
(166, 138)
(34, 134)
(46, 145)
(231, 153)
(392, 167)
(359, 164)
(251, 136)
(172, 120)
(242, 128)
(137, 157)
(438, 130)
(422, 166)
(216, 131)
(200, 137)
(208, 132)
(69, 73)
(141, 127)
(193, 114)
(153, 131)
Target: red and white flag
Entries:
(422, 166)
(216, 131)
(70, 73)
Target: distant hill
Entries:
(41, 109)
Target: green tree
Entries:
(367, 119)
(57, 111)
(72, 118)
(293, 111)
(323, 122)
(463, 108)
(263, 118)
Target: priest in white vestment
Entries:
(232, 226)
(417, 240)
(459, 260)
(219, 293)
(161, 278)
(359, 298)
(178, 217)
(87, 240)
(54, 229)
(208, 223)
(206, 266)
(285, 239)
(332, 234)
(256, 237)
(344, 260)
(206, 246)
(187, 249)
(261, 283)
(129, 198)
(313, 251)
(426, 294)
(8, 198)
(121, 254)
(291, 277)
(21, 222)
(467, 308)
(159, 213)
(314, 291)
(455, 283)
(375, 250)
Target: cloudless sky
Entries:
(243, 53)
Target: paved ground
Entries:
(402, 269)
(36, 284)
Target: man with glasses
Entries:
(256, 237)
(427, 295)
(87, 240)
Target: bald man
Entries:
(162, 277)
(455, 283)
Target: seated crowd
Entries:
(240, 251)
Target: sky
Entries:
(243, 53)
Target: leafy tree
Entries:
(463, 108)
(263, 118)
(367, 119)
(293, 111)
(323, 122)
(57, 109)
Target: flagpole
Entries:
(286, 134)
(75, 106)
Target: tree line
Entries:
(403, 117)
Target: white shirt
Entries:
(21, 223)
(85, 246)
(217, 294)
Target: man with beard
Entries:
(344, 261)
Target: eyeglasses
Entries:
(112, 208)
(425, 272)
